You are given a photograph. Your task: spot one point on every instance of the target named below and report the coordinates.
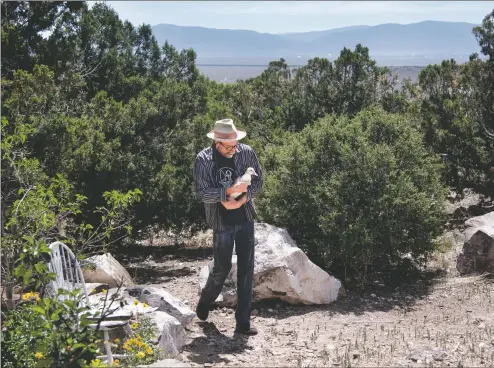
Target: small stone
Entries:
(439, 355)
(329, 347)
(270, 310)
(373, 295)
(416, 355)
(255, 312)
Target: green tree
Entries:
(357, 193)
(23, 24)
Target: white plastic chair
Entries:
(69, 277)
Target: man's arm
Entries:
(232, 204)
(257, 181)
(204, 191)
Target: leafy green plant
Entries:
(357, 194)
(46, 332)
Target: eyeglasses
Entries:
(227, 146)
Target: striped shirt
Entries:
(211, 193)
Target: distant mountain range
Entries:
(427, 40)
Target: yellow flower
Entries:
(136, 302)
(135, 344)
(95, 363)
(116, 363)
(116, 341)
(134, 325)
(104, 290)
(30, 295)
(145, 305)
(141, 355)
(39, 355)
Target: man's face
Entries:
(226, 149)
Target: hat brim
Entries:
(240, 135)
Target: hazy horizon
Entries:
(280, 17)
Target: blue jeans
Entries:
(243, 237)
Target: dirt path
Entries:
(435, 321)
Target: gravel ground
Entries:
(435, 319)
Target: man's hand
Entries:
(232, 204)
(237, 187)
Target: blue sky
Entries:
(297, 16)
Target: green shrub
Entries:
(44, 332)
(356, 194)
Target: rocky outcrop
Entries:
(168, 313)
(478, 249)
(106, 270)
(164, 301)
(282, 271)
(171, 333)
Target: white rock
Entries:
(478, 250)
(164, 301)
(484, 222)
(171, 334)
(97, 287)
(282, 271)
(107, 270)
(168, 363)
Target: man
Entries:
(216, 169)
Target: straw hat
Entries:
(225, 131)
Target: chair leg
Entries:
(108, 348)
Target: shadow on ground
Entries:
(400, 288)
(159, 274)
(208, 348)
(139, 253)
(160, 264)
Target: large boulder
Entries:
(281, 271)
(478, 249)
(171, 333)
(164, 301)
(484, 222)
(106, 270)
